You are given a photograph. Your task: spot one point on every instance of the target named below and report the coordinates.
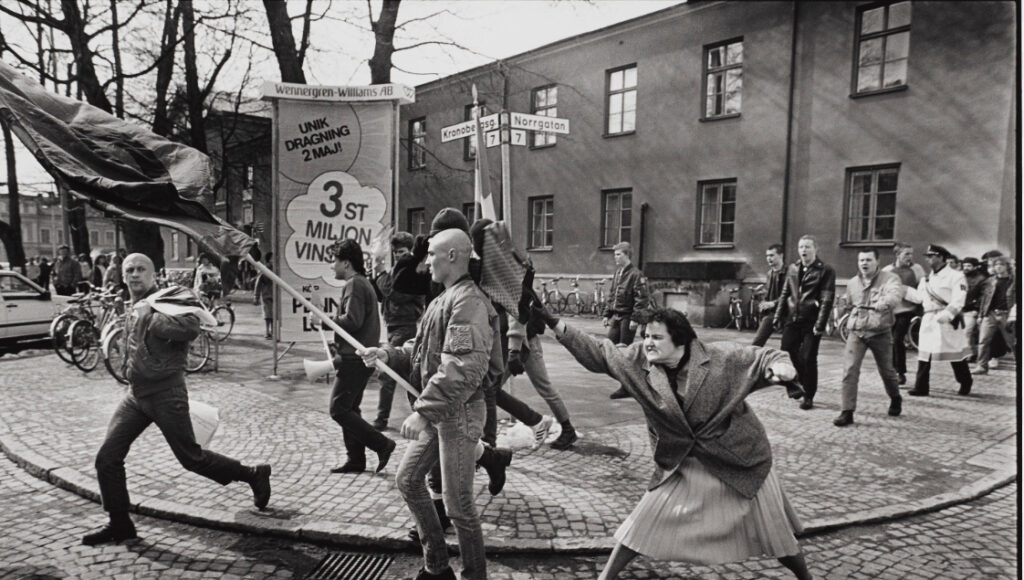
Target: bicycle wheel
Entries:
(59, 336)
(555, 301)
(114, 356)
(914, 332)
(736, 316)
(571, 304)
(198, 353)
(225, 322)
(844, 331)
(85, 345)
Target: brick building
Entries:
(706, 131)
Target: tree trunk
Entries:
(197, 132)
(283, 41)
(165, 70)
(384, 43)
(115, 46)
(12, 237)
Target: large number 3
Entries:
(336, 198)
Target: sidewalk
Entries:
(945, 449)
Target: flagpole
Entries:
(328, 321)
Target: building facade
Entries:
(42, 230)
(707, 131)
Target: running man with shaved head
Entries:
(454, 356)
(156, 348)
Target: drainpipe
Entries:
(789, 130)
(643, 234)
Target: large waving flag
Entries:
(117, 166)
(482, 178)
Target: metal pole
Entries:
(506, 177)
(275, 325)
(281, 284)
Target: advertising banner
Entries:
(334, 165)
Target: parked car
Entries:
(25, 312)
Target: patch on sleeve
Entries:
(458, 339)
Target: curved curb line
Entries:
(365, 536)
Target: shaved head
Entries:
(139, 274)
(448, 256)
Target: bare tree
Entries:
(10, 231)
(289, 60)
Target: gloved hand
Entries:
(515, 363)
(419, 247)
(525, 297)
(538, 310)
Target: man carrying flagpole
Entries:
(156, 349)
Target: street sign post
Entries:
(504, 129)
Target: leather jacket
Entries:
(157, 349)
(628, 295)
(988, 289)
(807, 298)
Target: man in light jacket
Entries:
(871, 296)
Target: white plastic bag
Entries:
(205, 420)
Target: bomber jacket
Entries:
(871, 303)
(988, 289)
(628, 295)
(809, 297)
(707, 418)
(156, 346)
(456, 354)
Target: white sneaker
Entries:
(993, 363)
(540, 430)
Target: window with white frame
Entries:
(617, 216)
(871, 203)
(418, 143)
(542, 214)
(544, 103)
(882, 47)
(621, 100)
(416, 221)
(717, 212)
(723, 79)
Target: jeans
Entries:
(619, 331)
(799, 340)
(397, 335)
(899, 334)
(169, 410)
(452, 443)
(971, 328)
(764, 330)
(881, 348)
(345, 400)
(993, 322)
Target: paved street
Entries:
(945, 449)
(43, 524)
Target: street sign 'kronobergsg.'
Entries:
(468, 128)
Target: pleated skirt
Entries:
(694, 517)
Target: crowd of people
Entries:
(714, 496)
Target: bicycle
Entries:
(551, 299)
(573, 301)
(224, 313)
(199, 351)
(914, 333)
(116, 360)
(600, 301)
(735, 310)
(754, 306)
(85, 336)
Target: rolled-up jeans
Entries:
(167, 408)
(452, 442)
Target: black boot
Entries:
(895, 406)
(494, 461)
(442, 514)
(845, 418)
(448, 574)
(260, 483)
(119, 529)
(567, 438)
(921, 381)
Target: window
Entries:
(871, 203)
(175, 256)
(883, 46)
(26, 234)
(247, 177)
(621, 102)
(469, 151)
(247, 213)
(189, 251)
(723, 79)
(60, 236)
(717, 212)
(108, 237)
(417, 221)
(544, 103)
(94, 238)
(44, 235)
(14, 286)
(617, 214)
(469, 210)
(542, 211)
(417, 143)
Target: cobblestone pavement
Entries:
(43, 525)
(943, 449)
